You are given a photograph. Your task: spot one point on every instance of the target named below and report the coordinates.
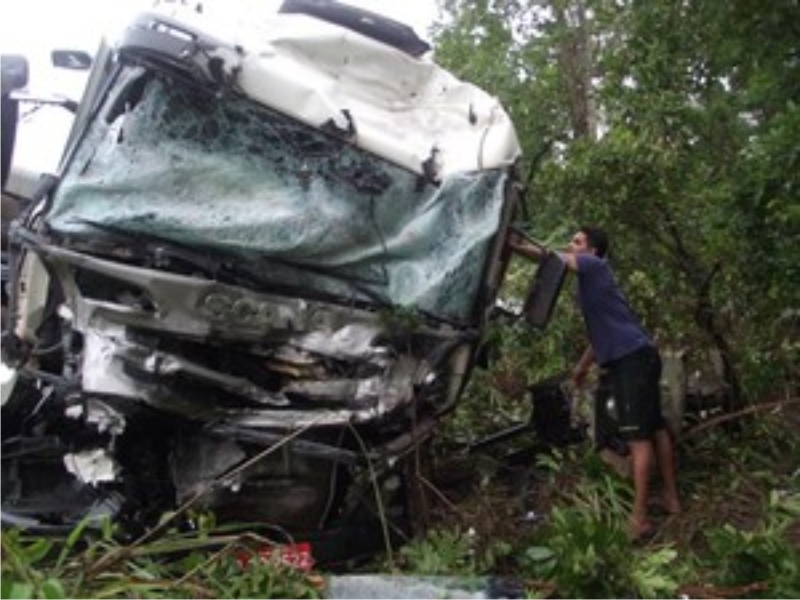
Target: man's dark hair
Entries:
(596, 238)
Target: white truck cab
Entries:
(269, 231)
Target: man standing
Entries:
(619, 344)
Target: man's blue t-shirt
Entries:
(614, 329)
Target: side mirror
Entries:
(544, 290)
(14, 72)
(75, 60)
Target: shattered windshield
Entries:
(227, 174)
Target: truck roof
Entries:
(394, 103)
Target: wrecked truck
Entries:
(259, 279)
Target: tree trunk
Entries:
(575, 59)
(705, 315)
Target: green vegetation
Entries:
(675, 127)
(738, 536)
(90, 564)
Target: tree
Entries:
(675, 125)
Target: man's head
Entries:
(589, 240)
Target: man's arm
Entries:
(519, 244)
(581, 370)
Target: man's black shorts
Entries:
(635, 384)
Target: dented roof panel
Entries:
(402, 107)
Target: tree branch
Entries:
(757, 408)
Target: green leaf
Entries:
(72, 539)
(52, 588)
(18, 589)
(539, 553)
(37, 550)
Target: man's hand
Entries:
(579, 375)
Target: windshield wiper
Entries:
(240, 269)
(354, 283)
(159, 252)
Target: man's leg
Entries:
(642, 458)
(634, 381)
(666, 465)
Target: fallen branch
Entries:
(452, 507)
(756, 408)
(708, 592)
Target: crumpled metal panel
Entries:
(416, 586)
(92, 466)
(323, 363)
(402, 107)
